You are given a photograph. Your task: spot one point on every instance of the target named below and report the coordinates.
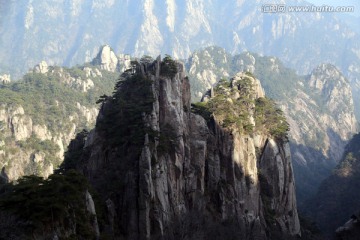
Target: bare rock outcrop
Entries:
(5, 78)
(107, 60)
(42, 67)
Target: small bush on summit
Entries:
(168, 67)
(236, 112)
(123, 113)
(270, 118)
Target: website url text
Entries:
(282, 8)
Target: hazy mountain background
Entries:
(65, 32)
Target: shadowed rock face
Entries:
(186, 174)
(335, 207)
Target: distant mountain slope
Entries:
(66, 32)
(43, 111)
(318, 106)
(338, 197)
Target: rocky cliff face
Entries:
(334, 90)
(319, 107)
(165, 171)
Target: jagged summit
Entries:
(234, 83)
(42, 67)
(326, 74)
(157, 164)
(333, 90)
(258, 90)
(108, 60)
(242, 103)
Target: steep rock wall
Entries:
(188, 170)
